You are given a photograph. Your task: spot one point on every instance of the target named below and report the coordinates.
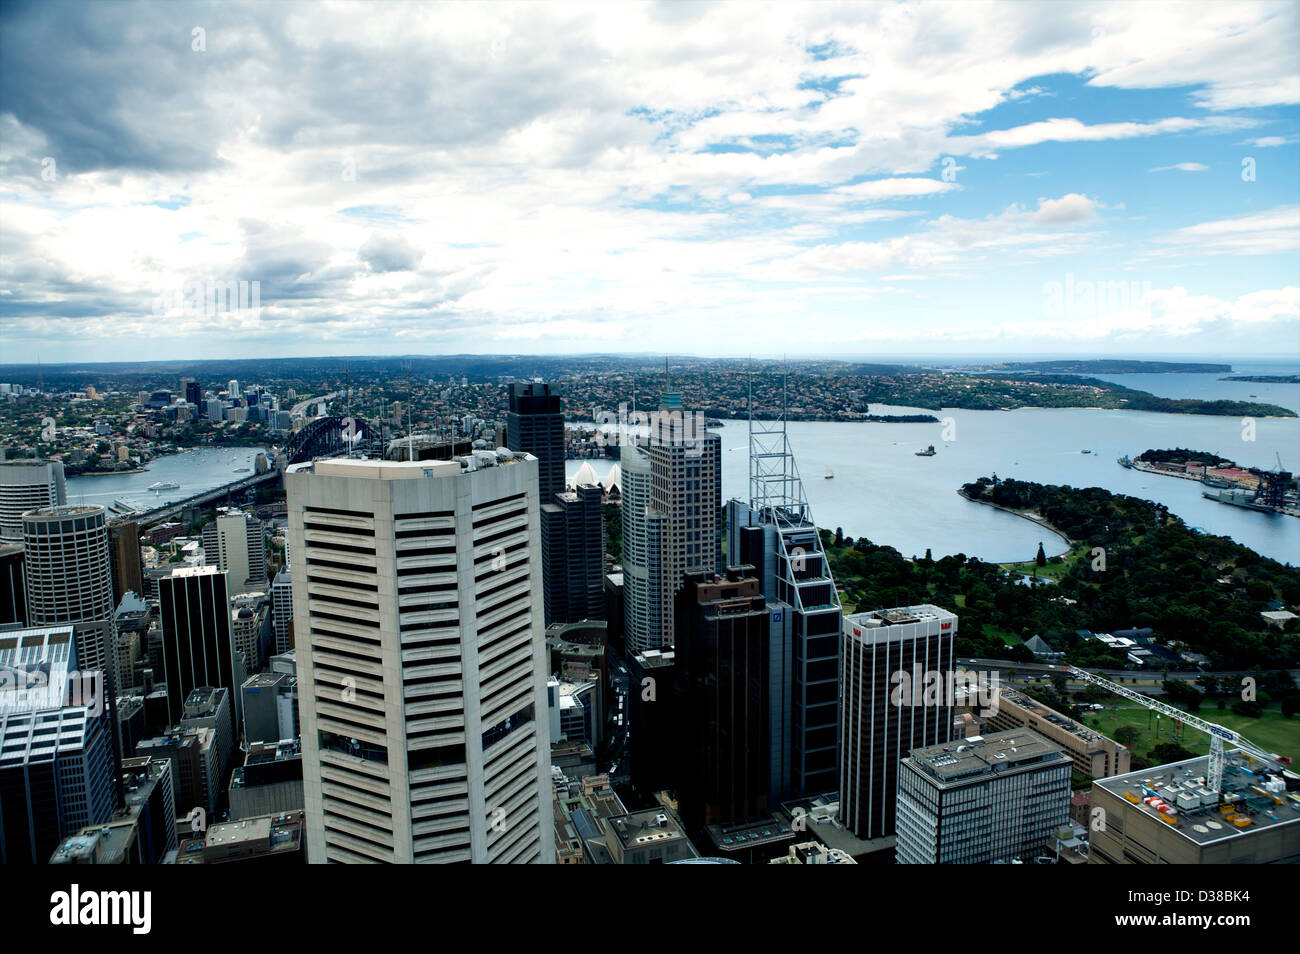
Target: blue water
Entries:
(881, 490)
(195, 470)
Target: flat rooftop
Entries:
(418, 469)
(898, 616)
(986, 755)
(1206, 824)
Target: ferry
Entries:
(830, 474)
(928, 452)
(165, 485)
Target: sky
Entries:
(702, 178)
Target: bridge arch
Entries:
(326, 436)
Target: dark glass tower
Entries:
(573, 548)
(197, 650)
(535, 425)
(722, 697)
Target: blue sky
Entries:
(917, 178)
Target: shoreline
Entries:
(1069, 544)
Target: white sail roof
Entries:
(586, 475)
(614, 479)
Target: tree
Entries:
(1127, 735)
(1167, 752)
(1041, 559)
(839, 536)
(928, 557)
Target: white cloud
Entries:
(1181, 167)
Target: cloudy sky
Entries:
(816, 178)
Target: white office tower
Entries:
(233, 388)
(235, 545)
(28, 485)
(672, 526)
(894, 697)
(417, 596)
(282, 609)
(643, 531)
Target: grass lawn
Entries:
(1271, 731)
(1053, 571)
(1011, 639)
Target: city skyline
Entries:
(879, 179)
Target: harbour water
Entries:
(883, 491)
(195, 470)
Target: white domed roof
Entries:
(586, 475)
(614, 479)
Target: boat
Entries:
(830, 474)
(928, 452)
(165, 485)
(1239, 498)
(1085, 452)
(1125, 462)
(242, 470)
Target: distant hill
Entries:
(1115, 366)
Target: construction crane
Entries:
(1218, 734)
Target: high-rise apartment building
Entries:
(721, 698)
(671, 497)
(421, 660)
(572, 531)
(56, 750)
(194, 608)
(889, 658)
(28, 485)
(996, 798)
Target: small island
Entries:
(1264, 378)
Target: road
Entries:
(301, 406)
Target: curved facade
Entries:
(69, 576)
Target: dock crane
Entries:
(1218, 734)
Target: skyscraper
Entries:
(69, 577)
(56, 753)
(996, 798)
(421, 660)
(193, 393)
(194, 607)
(124, 554)
(721, 698)
(572, 530)
(891, 662)
(775, 533)
(671, 494)
(573, 548)
(234, 543)
(13, 584)
(535, 425)
(282, 609)
(28, 485)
